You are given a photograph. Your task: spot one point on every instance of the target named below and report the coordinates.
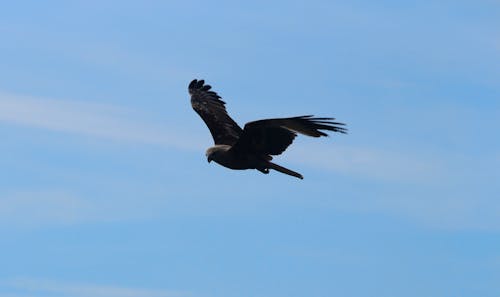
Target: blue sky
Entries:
(105, 189)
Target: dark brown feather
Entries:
(273, 136)
(211, 109)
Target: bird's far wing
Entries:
(273, 136)
(213, 112)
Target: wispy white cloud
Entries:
(23, 287)
(368, 162)
(440, 191)
(29, 207)
(37, 208)
(443, 195)
(116, 123)
(89, 119)
(455, 206)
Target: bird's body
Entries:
(253, 146)
(223, 155)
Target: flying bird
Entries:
(253, 146)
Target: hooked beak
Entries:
(209, 159)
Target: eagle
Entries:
(253, 146)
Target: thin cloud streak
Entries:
(115, 123)
(36, 207)
(37, 287)
(88, 119)
(439, 173)
(369, 163)
(62, 207)
(445, 195)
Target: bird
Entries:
(253, 146)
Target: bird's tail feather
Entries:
(284, 170)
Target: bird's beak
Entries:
(209, 160)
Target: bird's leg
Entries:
(263, 170)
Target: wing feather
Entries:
(212, 110)
(273, 136)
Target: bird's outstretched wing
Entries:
(273, 136)
(213, 112)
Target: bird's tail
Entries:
(284, 170)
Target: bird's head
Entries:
(213, 153)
